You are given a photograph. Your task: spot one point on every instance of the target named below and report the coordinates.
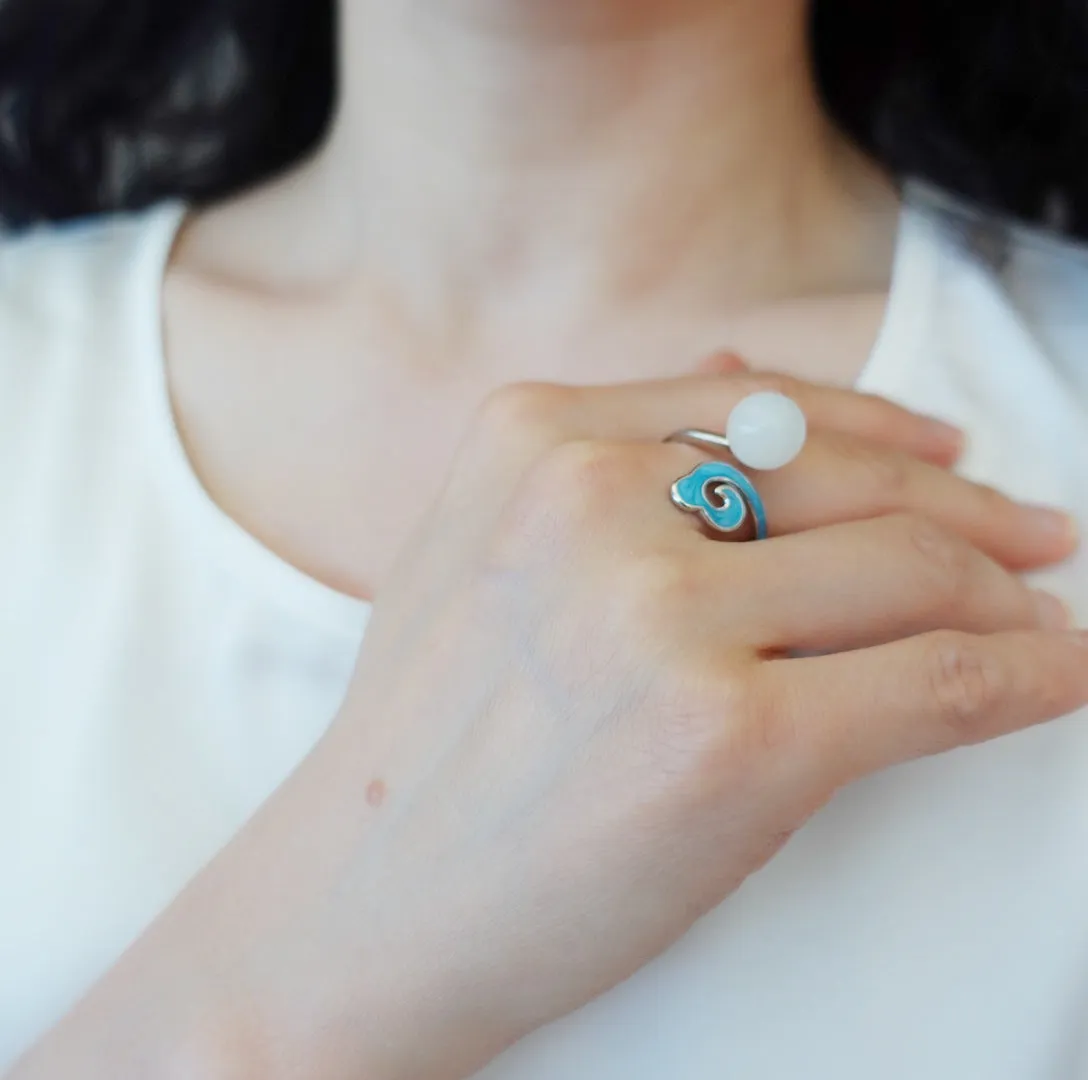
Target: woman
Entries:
(599, 795)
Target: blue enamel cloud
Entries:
(724, 497)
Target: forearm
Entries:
(143, 1025)
(138, 1025)
(261, 968)
(157, 1015)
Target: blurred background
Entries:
(113, 104)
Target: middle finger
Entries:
(839, 479)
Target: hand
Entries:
(578, 714)
(576, 725)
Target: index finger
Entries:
(657, 408)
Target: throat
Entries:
(669, 152)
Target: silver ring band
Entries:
(701, 440)
(719, 493)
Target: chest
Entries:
(327, 440)
(931, 922)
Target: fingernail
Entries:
(725, 363)
(947, 433)
(1054, 523)
(1053, 613)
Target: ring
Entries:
(723, 496)
(766, 431)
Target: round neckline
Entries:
(246, 556)
(903, 327)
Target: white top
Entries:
(161, 673)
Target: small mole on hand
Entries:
(375, 794)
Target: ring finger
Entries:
(859, 584)
(838, 479)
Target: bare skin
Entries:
(568, 699)
(439, 247)
(567, 696)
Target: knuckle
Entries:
(655, 588)
(709, 736)
(520, 409)
(966, 684)
(882, 475)
(755, 730)
(768, 733)
(571, 490)
(771, 381)
(943, 560)
(769, 719)
(991, 503)
(583, 479)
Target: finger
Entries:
(852, 585)
(852, 714)
(519, 423)
(654, 410)
(724, 363)
(837, 479)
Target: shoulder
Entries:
(79, 304)
(80, 330)
(1038, 275)
(60, 280)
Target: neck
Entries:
(589, 154)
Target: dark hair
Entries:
(113, 104)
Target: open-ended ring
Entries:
(766, 431)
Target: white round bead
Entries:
(766, 430)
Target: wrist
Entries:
(400, 1007)
(325, 961)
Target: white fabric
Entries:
(161, 673)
